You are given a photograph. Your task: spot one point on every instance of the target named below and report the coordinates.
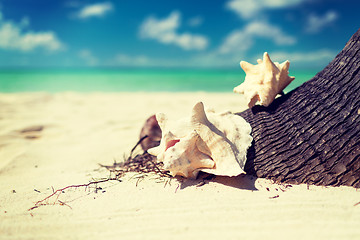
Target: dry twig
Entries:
(58, 192)
(142, 164)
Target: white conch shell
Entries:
(208, 142)
(264, 80)
(185, 159)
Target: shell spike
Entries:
(285, 66)
(199, 115)
(247, 67)
(269, 65)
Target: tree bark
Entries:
(312, 134)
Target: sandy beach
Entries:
(50, 141)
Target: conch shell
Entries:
(264, 80)
(208, 142)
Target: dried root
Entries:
(143, 164)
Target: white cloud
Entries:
(13, 36)
(165, 31)
(242, 40)
(95, 10)
(250, 8)
(89, 58)
(320, 56)
(152, 27)
(299, 59)
(195, 21)
(316, 23)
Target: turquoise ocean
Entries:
(130, 80)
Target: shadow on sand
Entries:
(243, 181)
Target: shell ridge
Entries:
(204, 123)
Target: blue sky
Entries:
(177, 33)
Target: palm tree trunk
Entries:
(312, 134)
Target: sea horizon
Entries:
(130, 79)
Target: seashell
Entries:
(152, 130)
(264, 81)
(207, 141)
(185, 159)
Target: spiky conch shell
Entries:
(264, 81)
(208, 142)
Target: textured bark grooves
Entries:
(312, 134)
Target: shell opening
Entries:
(171, 143)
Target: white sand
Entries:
(82, 130)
